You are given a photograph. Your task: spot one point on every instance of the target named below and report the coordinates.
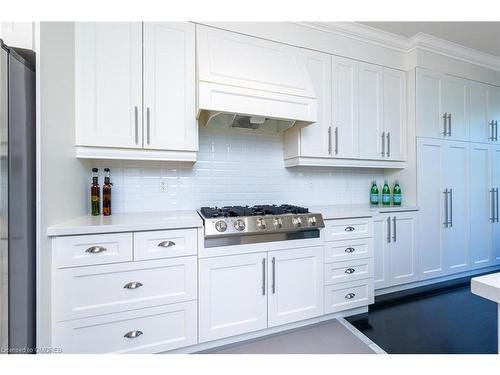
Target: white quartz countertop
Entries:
(487, 286)
(346, 211)
(127, 222)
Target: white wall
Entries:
(234, 166)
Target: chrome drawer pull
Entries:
(350, 296)
(350, 250)
(166, 244)
(133, 334)
(132, 285)
(349, 229)
(95, 250)
(350, 270)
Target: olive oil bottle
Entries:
(374, 194)
(95, 195)
(106, 193)
(386, 194)
(396, 194)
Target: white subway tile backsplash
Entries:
(234, 167)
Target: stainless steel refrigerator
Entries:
(17, 200)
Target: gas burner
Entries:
(258, 210)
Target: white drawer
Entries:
(165, 244)
(89, 291)
(346, 229)
(92, 249)
(345, 296)
(350, 270)
(162, 328)
(337, 251)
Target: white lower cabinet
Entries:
(396, 257)
(344, 296)
(249, 292)
(151, 330)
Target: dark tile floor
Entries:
(451, 322)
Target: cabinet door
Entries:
(316, 139)
(495, 171)
(430, 109)
(232, 295)
(456, 235)
(456, 99)
(395, 113)
(481, 200)
(108, 80)
(295, 285)
(480, 128)
(430, 199)
(371, 111)
(345, 132)
(169, 86)
(380, 251)
(403, 256)
(494, 110)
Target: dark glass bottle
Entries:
(95, 196)
(106, 194)
(396, 194)
(386, 194)
(374, 194)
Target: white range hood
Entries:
(251, 83)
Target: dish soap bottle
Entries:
(396, 194)
(386, 194)
(106, 194)
(374, 194)
(95, 196)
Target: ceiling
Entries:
(482, 36)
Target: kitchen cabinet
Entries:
(395, 114)
(484, 112)
(232, 295)
(141, 78)
(295, 287)
(495, 177)
(442, 194)
(442, 106)
(396, 257)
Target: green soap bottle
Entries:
(396, 194)
(374, 194)
(386, 194)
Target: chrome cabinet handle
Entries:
(496, 130)
(388, 144)
(389, 229)
(445, 192)
(383, 144)
(133, 334)
(274, 275)
(148, 125)
(95, 250)
(492, 206)
(263, 276)
(329, 140)
(492, 126)
(349, 229)
(132, 285)
(350, 250)
(445, 116)
(166, 244)
(394, 231)
(136, 119)
(350, 270)
(496, 193)
(350, 296)
(336, 140)
(449, 124)
(451, 208)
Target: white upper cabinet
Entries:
(169, 86)
(108, 80)
(135, 91)
(371, 111)
(345, 132)
(395, 114)
(442, 106)
(482, 125)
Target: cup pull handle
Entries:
(133, 285)
(350, 296)
(133, 334)
(95, 250)
(166, 244)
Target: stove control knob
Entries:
(278, 223)
(312, 221)
(239, 225)
(221, 226)
(261, 224)
(297, 221)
